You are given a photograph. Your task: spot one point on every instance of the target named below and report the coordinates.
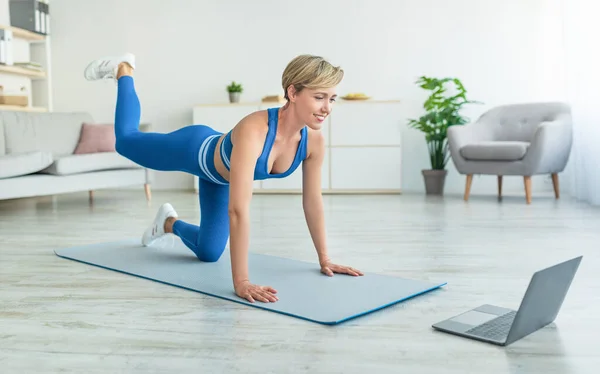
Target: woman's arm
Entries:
(312, 199)
(312, 202)
(248, 143)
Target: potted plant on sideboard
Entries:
(235, 90)
(442, 110)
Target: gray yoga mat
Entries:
(302, 290)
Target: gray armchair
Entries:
(518, 139)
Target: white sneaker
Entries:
(107, 67)
(157, 229)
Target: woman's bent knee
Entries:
(125, 146)
(209, 254)
(121, 146)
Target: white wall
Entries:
(4, 13)
(188, 50)
(582, 29)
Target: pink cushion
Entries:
(96, 138)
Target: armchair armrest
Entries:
(550, 147)
(460, 135)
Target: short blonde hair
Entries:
(309, 71)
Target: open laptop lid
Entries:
(543, 298)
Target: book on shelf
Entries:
(31, 65)
(6, 49)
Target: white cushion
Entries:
(17, 164)
(495, 151)
(83, 163)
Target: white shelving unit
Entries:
(27, 46)
(363, 146)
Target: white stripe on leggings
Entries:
(225, 157)
(203, 163)
(216, 138)
(201, 156)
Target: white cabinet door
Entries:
(366, 123)
(366, 169)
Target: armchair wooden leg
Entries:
(556, 186)
(499, 186)
(147, 190)
(527, 189)
(468, 186)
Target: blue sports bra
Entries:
(261, 171)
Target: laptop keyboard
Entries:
(495, 329)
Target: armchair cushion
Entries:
(495, 150)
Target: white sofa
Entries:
(37, 159)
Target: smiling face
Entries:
(310, 84)
(313, 105)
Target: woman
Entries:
(265, 144)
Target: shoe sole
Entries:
(89, 66)
(85, 71)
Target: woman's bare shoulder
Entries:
(259, 118)
(253, 124)
(315, 142)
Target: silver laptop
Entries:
(539, 307)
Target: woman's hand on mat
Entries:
(329, 269)
(252, 292)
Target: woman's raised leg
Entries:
(174, 151)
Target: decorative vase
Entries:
(434, 181)
(234, 97)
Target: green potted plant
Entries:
(235, 90)
(442, 111)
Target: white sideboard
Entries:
(363, 145)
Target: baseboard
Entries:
(329, 192)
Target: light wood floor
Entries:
(57, 315)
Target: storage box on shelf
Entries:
(32, 15)
(363, 141)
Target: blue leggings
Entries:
(189, 149)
